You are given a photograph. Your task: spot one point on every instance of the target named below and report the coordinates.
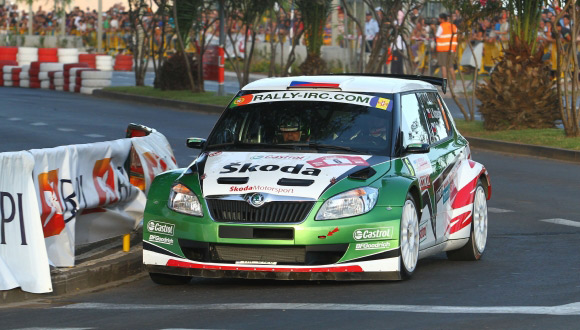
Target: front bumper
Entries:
(379, 269)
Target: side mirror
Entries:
(195, 143)
(417, 148)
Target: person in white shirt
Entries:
(371, 30)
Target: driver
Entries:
(290, 129)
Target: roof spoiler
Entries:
(432, 80)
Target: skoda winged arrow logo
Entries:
(256, 200)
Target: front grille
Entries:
(279, 254)
(273, 212)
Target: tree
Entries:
(390, 28)
(568, 88)
(314, 16)
(520, 92)
(245, 15)
(140, 26)
(471, 13)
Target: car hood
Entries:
(305, 175)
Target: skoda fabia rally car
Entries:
(320, 177)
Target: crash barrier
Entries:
(52, 199)
(56, 76)
(26, 55)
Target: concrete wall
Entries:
(41, 41)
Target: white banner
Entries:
(53, 199)
(23, 258)
(155, 155)
(73, 178)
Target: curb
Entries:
(525, 149)
(181, 105)
(101, 270)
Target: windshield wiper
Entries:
(227, 146)
(318, 146)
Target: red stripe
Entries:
(465, 195)
(461, 222)
(337, 269)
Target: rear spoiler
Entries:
(432, 80)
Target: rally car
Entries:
(342, 177)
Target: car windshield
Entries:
(306, 121)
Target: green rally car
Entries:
(341, 177)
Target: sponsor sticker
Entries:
(262, 188)
(368, 234)
(321, 96)
(372, 245)
(425, 182)
(421, 164)
(410, 168)
(338, 160)
(422, 234)
(162, 240)
(155, 226)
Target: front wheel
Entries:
(409, 238)
(478, 238)
(167, 279)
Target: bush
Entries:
(173, 74)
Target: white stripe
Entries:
(94, 135)
(63, 129)
(39, 124)
(14, 119)
(496, 210)
(569, 309)
(563, 222)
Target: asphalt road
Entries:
(528, 278)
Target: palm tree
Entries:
(520, 91)
(314, 15)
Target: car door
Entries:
(443, 155)
(415, 130)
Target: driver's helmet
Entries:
(289, 125)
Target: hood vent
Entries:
(364, 174)
(295, 182)
(233, 180)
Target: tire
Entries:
(475, 246)
(7, 76)
(45, 67)
(27, 51)
(8, 68)
(45, 84)
(68, 59)
(67, 52)
(409, 237)
(87, 90)
(166, 279)
(59, 74)
(41, 75)
(23, 75)
(96, 83)
(58, 82)
(105, 67)
(25, 83)
(97, 75)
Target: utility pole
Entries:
(222, 16)
(100, 28)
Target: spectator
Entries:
(371, 30)
(446, 46)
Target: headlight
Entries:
(183, 200)
(349, 203)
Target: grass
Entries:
(549, 137)
(186, 96)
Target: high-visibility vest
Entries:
(445, 39)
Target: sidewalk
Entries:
(100, 264)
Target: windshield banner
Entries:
(320, 96)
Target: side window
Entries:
(413, 122)
(436, 117)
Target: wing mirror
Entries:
(417, 148)
(195, 143)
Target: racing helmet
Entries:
(290, 125)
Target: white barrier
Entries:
(82, 186)
(23, 258)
